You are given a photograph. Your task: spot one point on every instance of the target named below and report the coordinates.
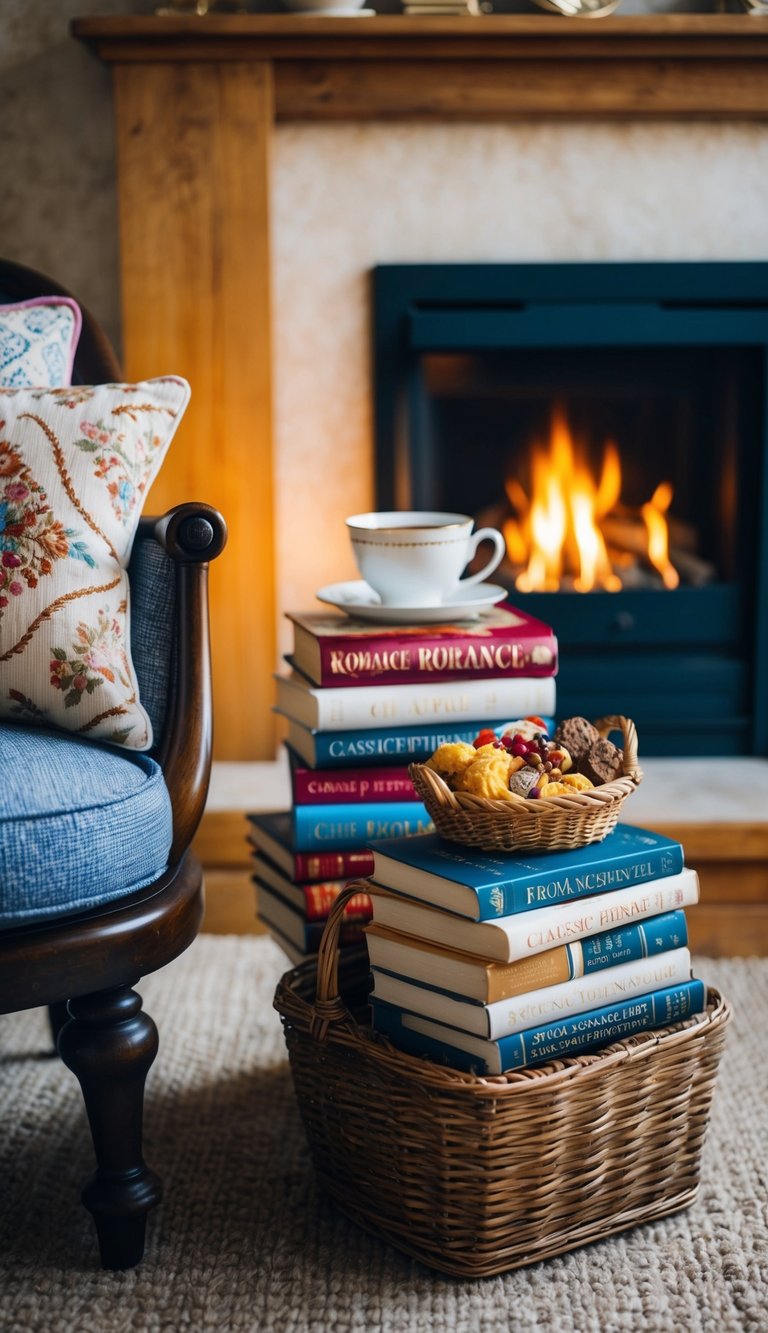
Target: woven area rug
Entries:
(244, 1240)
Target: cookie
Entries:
(603, 762)
(577, 735)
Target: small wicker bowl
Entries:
(521, 824)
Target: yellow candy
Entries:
(488, 776)
(555, 789)
(493, 752)
(578, 781)
(451, 759)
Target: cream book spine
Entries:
(368, 706)
(536, 1007)
(507, 938)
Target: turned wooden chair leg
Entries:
(109, 1046)
(58, 1015)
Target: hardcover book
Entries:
(333, 649)
(312, 901)
(331, 786)
(483, 885)
(291, 951)
(476, 979)
(536, 1007)
(568, 1036)
(337, 827)
(375, 706)
(383, 745)
(510, 937)
(275, 913)
(271, 834)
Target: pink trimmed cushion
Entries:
(75, 465)
(38, 340)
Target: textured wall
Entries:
(58, 209)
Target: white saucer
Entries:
(359, 600)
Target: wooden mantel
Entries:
(196, 99)
(397, 67)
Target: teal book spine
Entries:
(339, 827)
(644, 939)
(569, 1036)
(500, 884)
(394, 745)
(580, 878)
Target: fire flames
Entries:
(559, 536)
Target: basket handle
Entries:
(329, 1006)
(630, 767)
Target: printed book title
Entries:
(591, 882)
(440, 657)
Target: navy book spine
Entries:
(337, 827)
(568, 1036)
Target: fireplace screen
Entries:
(611, 421)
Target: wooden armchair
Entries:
(84, 964)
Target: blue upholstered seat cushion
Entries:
(80, 824)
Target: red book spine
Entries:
(318, 786)
(332, 865)
(399, 659)
(319, 899)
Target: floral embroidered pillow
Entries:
(38, 340)
(75, 465)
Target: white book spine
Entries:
(547, 1005)
(367, 706)
(509, 938)
(545, 928)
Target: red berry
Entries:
(485, 737)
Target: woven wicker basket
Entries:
(474, 1176)
(520, 824)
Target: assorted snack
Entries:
(522, 761)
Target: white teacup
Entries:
(415, 557)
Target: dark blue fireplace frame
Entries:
(691, 666)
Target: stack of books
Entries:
(488, 962)
(362, 702)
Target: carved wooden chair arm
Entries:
(191, 535)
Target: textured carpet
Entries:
(244, 1240)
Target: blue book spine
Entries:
(506, 884)
(399, 745)
(340, 827)
(602, 875)
(644, 939)
(568, 1036)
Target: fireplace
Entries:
(611, 418)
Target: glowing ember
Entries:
(556, 539)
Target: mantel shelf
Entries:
(495, 67)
